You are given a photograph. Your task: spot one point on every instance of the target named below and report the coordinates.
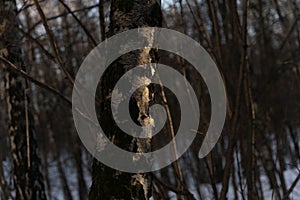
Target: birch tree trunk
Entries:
(27, 176)
(109, 183)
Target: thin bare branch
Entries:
(52, 43)
(37, 82)
(79, 22)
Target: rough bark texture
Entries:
(109, 183)
(28, 179)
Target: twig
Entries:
(292, 187)
(27, 129)
(41, 47)
(289, 33)
(175, 164)
(79, 22)
(235, 116)
(171, 188)
(39, 83)
(47, 87)
(52, 43)
(62, 15)
(102, 19)
(239, 174)
(201, 26)
(215, 24)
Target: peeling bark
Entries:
(109, 183)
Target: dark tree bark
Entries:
(109, 183)
(27, 176)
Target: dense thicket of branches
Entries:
(256, 46)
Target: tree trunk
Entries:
(28, 179)
(109, 183)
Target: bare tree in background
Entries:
(28, 179)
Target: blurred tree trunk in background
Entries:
(28, 179)
(109, 183)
